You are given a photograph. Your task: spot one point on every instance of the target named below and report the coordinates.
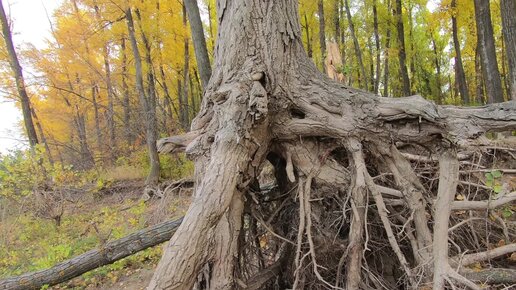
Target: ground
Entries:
(31, 243)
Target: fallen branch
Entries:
(107, 254)
(484, 204)
(469, 259)
(491, 276)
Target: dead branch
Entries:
(469, 259)
(485, 204)
(449, 175)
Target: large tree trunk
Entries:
(508, 10)
(18, 76)
(460, 76)
(267, 102)
(405, 80)
(488, 52)
(201, 52)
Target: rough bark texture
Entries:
(487, 52)
(18, 76)
(106, 254)
(331, 148)
(508, 10)
(199, 42)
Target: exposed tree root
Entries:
(335, 147)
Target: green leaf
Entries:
(496, 174)
(489, 176)
(497, 188)
(489, 183)
(507, 213)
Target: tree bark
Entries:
(104, 255)
(460, 76)
(488, 52)
(148, 111)
(18, 76)
(508, 10)
(267, 101)
(199, 42)
(401, 50)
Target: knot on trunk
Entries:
(258, 100)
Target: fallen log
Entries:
(107, 254)
(491, 276)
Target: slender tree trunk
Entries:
(18, 76)
(87, 160)
(479, 78)
(401, 51)
(322, 33)
(358, 51)
(460, 76)
(308, 39)
(199, 43)
(508, 10)
(377, 43)
(94, 94)
(488, 52)
(336, 22)
(128, 133)
(210, 25)
(185, 109)
(413, 55)
(43, 138)
(437, 61)
(148, 112)
(386, 53)
(109, 88)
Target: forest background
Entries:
(92, 127)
